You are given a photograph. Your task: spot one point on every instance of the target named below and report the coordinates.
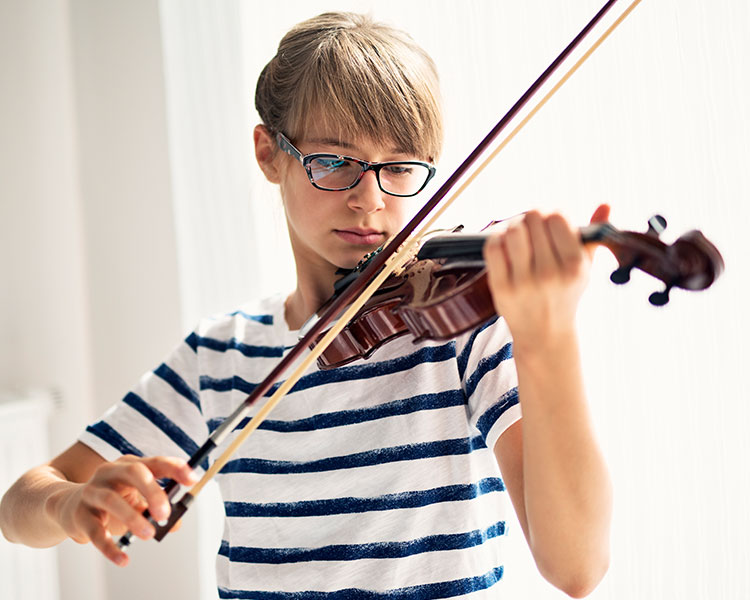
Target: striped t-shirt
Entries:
(372, 480)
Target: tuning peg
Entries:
(660, 298)
(656, 225)
(622, 273)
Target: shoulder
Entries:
(492, 340)
(260, 320)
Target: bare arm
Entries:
(25, 514)
(551, 463)
(557, 478)
(82, 496)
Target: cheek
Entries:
(303, 207)
(403, 210)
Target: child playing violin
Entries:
(387, 477)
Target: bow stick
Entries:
(356, 294)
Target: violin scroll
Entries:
(692, 262)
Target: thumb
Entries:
(601, 215)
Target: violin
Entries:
(442, 292)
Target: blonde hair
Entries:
(362, 78)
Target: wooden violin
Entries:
(443, 291)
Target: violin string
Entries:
(394, 262)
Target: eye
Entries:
(331, 164)
(399, 169)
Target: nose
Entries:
(366, 196)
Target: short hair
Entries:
(364, 78)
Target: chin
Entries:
(353, 259)
(346, 264)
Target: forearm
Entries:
(567, 492)
(28, 508)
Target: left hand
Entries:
(537, 271)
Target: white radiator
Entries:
(25, 573)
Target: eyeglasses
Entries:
(334, 173)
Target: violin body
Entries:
(431, 299)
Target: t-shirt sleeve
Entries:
(489, 379)
(160, 416)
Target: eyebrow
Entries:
(331, 142)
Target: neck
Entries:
(311, 293)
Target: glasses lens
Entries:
(403, 179)
(337, 173)
(334, 173)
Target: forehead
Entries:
(361, 147)
(321, 132)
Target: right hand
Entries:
(112, 500)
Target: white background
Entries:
(130, 206)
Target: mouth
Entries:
(359, 236)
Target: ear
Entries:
(266, 153)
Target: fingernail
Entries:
(121, 559)
(161, 513)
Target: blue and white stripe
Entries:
(374, 480)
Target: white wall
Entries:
(131, 254)
(89, 269)
(44, 311)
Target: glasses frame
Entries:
(305, 159)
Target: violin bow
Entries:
(356, 294)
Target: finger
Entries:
(129, 475)
(544, 260)
(601, 214)
(103, 541)
(173, 468)
(566, 243)
(134, 498)
(116, 528)
(496, 261)
(518, 252)
(142, 473)
(109, 502)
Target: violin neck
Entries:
(468, 247)
(596, 232)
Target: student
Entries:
(381, 478)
